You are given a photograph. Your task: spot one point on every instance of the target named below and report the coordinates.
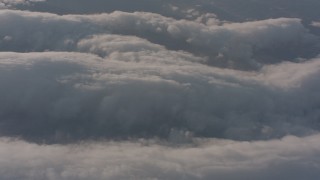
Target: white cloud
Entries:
(107, 44)
(130, 48)
(315, 24)
(289, 158)
(239, 45)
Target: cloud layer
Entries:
(126, 85)
(159, 90)
(73, 95)
(289, 158)
(237, 45)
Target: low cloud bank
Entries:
(57, 96)
(126, 78)
(245, 46)
(288, 158)
(173, 92)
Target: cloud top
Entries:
(210, 159)
(246, 46)
(158, 90)
(58, 95)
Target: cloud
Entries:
(289, 158)
(61, 97)
(128, 76)
(6, 4)
(131, 48)
(239, 45)
(158, 90)
(188, 9)
(315, 24)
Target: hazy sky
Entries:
(159, 89)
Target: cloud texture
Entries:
(170, 90)
(75, 95)
(236, 45)
(210, 159)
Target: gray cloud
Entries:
(68, 96)
(289, 158)
(157, 89)
(187, 9)
(238, 45)
(315, 24)
(7, 4)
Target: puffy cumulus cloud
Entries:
(288, 158)
(107, 44)
(289, 75)
(239, 45)
(209, 19)
(61, 97)
(130, 48)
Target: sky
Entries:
(159, 89)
